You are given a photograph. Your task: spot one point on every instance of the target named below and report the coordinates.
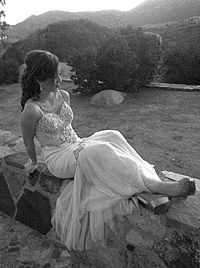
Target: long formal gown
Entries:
(106, 170)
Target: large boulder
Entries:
(108, 98)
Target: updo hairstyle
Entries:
(39, 66)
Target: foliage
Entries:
(183, 65)
(2, 22)
(69, 40)
(125, 61)
(147, 48)
(8, 71)
(122, 60)
(116, 62)
(3, 27)
(66, 39)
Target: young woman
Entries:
(107, 171)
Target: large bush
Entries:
(67, 39)
(148, 50)
(125, 61)
(122, 60)
(183, 65)
(116, 63)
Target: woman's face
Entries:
(54, 83)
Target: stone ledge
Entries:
(162, 240)
(173, 86)
(35, 196)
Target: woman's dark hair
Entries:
(39, 66)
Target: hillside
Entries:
(179, 33)
(148, 12)
(161, 11)
(23, 29)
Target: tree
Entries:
(3, 27)
(2, 15)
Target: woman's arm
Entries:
(28, 121)
(65, 96)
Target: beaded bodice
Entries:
(54, 129)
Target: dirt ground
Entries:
(163, 126)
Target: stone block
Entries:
(184, 212)
(14, 173)
(7, 204)
(20, 246)
(34, 210)
(139, 239)
(7, 137)
(148, 223)
(143, 258)
(17, 160)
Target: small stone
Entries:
(130, 247)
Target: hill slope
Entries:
(148, 12)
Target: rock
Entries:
(179, 250)
(185, 212)
(173, 86)
(34, 210)
(20, 246)
(108, 98)
(7, 204)
(147, 240)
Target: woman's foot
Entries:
(182, 188)
(187, 187)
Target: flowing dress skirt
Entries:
(107, 171)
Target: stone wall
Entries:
(168, 240)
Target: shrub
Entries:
(183, 65)
(148, 50)
(9, 70)
(69, 40)
(116, 62)
(125, 61)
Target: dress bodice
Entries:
(55, 129)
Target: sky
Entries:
(18, 10)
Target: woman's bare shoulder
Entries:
(65, 96)
(31, 112)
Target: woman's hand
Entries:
(30, 167)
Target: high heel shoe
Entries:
(188, 187)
